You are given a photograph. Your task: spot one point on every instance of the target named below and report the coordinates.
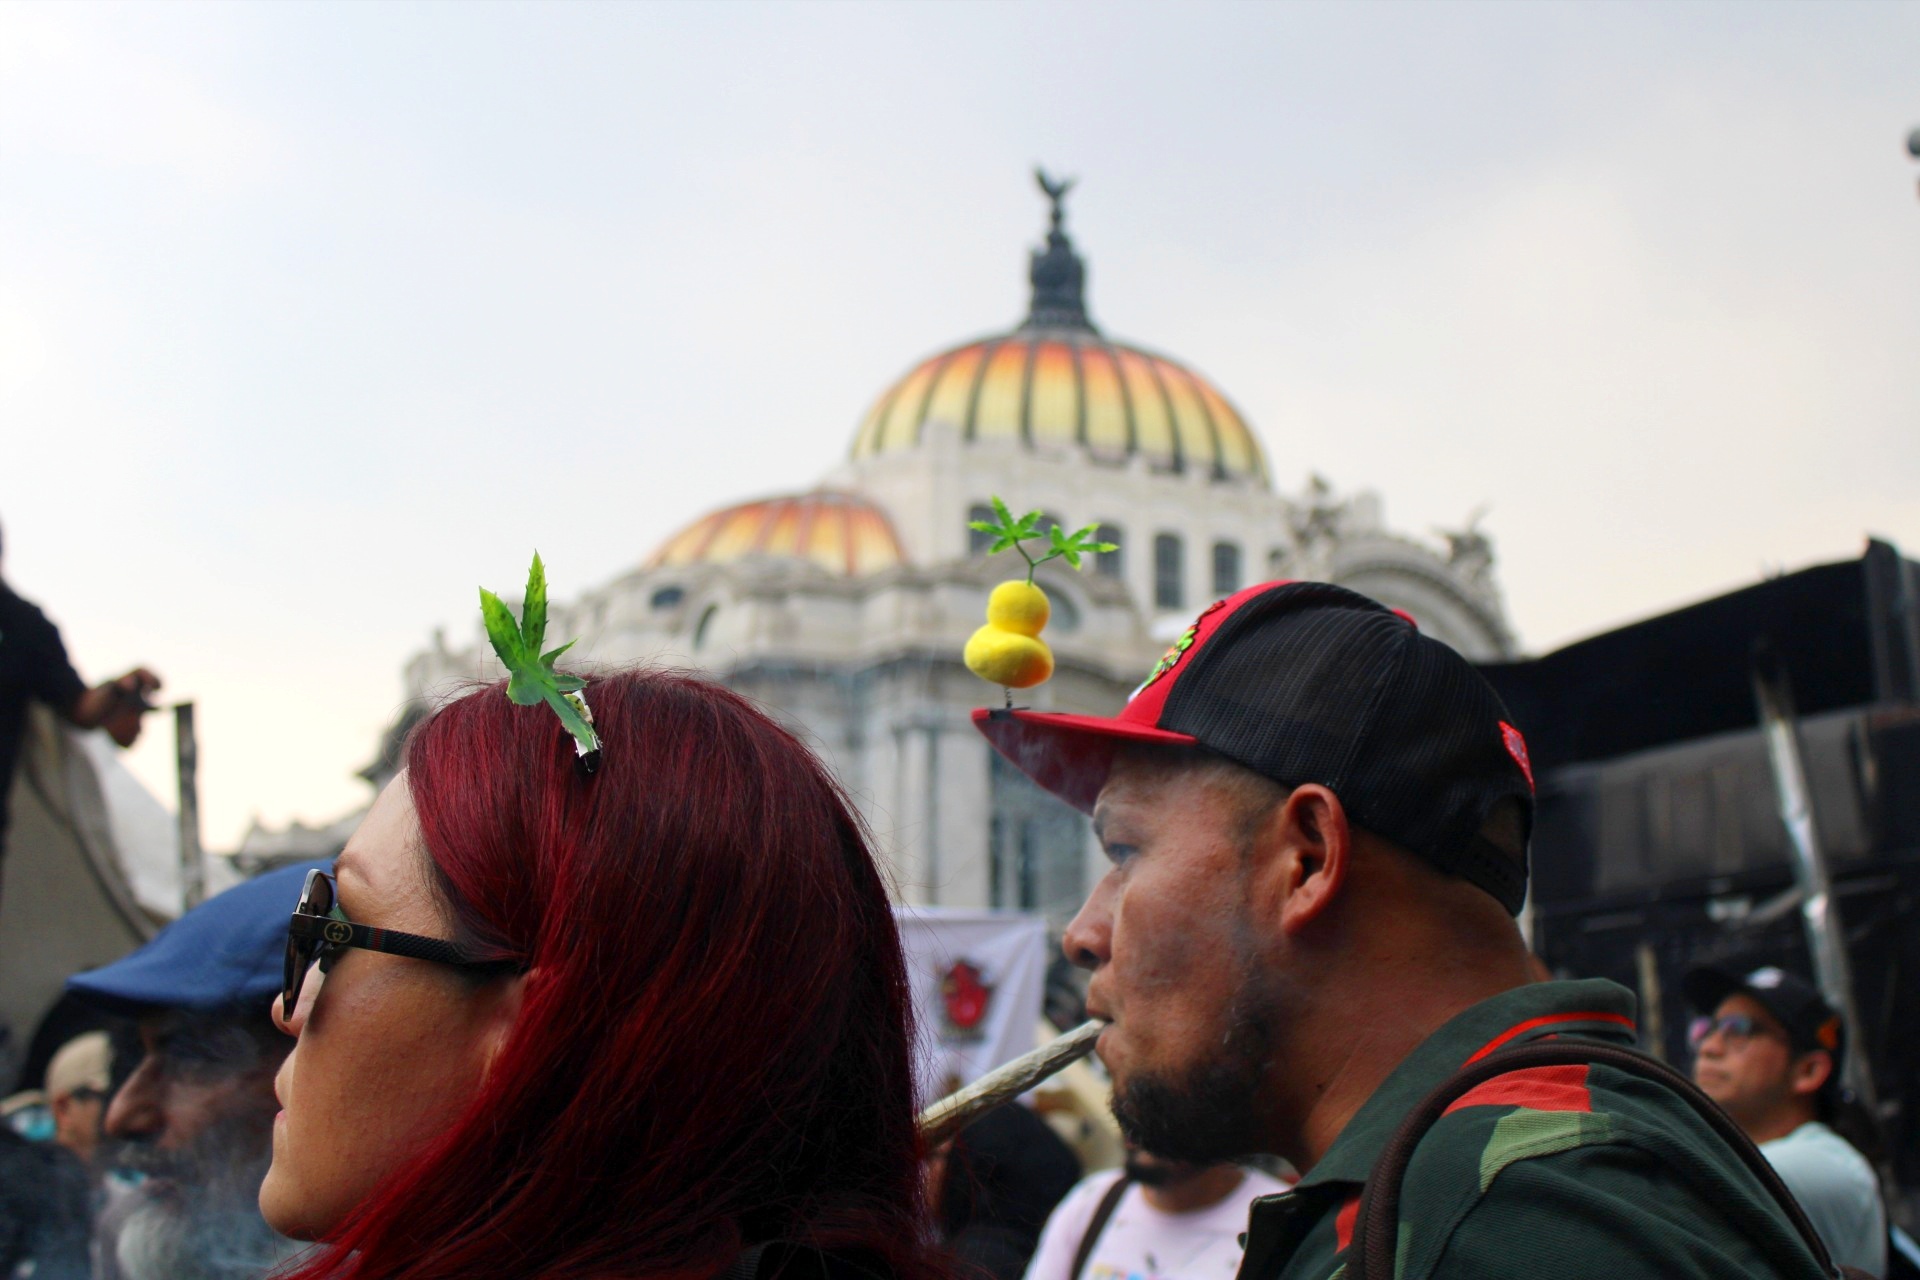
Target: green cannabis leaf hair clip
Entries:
(531, 678)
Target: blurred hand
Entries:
(117, 705)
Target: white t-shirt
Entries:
(1836, 1186)
(1142, 1243)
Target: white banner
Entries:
(978, 978)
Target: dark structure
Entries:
(1659, 844)
(1058, 274)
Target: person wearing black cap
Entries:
(1317, 821)
(190, 1127)
(1768, 1048)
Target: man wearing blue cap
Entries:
(191, 1126)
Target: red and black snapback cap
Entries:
(1308, 682)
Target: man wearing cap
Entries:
(78, 1078)
(46, 1193)
(191, 1127)
(1769, 1050)
(1317, 821)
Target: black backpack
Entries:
(1370, 1252)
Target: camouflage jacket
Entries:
(1569, 1171)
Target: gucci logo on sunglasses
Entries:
(318, 931)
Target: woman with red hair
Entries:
(649, 1022)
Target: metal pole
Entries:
(1653, 1022)
(1826, 941)
(193, 880)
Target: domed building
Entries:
(844, 608)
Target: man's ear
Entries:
(1317, 847)
(1809, 1072)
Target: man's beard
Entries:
(1159, 1172)
(169, 1235)
(1211, 1112)
(195, 1213)
(166, 1231)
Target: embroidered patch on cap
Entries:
(1765, 979)
(1517, 748)
(1171, 657)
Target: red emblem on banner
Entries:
(964, 998)
(1517, 748)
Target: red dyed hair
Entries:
(713, 1047)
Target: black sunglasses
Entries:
(1735, 1028)
(319, 931)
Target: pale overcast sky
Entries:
(312, 317)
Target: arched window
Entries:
(1066, 614)
(978, 542)
(666, 597)
(1226, 569)
(1108, 564)
(1169, 590)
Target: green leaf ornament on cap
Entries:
(531, 678)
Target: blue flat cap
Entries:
(229, 951)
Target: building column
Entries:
(963, 812)
(913, 805)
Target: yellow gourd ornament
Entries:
(1008, 650)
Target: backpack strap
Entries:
(1370, 1252)
(1101, 1216)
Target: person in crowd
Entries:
(187, 1134)
(1317, 820)
(44, 1210)
(635, 1012)
(1152, 1218)
(1002, 1176)
(46, 1174)
(34, 668)
(79, 1077)
(1768, 1049)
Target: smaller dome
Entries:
(843, 533)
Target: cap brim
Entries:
(1705, 988)
(1067, 755)
(228, 952)
(169, 978)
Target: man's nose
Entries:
(1087, 939)
(136, 1110)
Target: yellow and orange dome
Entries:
(1068, 386)
(841, 532)
(1057, 381)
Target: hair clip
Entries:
(531, 678)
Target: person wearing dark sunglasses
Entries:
(646, 1020)
(1768, 1048)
